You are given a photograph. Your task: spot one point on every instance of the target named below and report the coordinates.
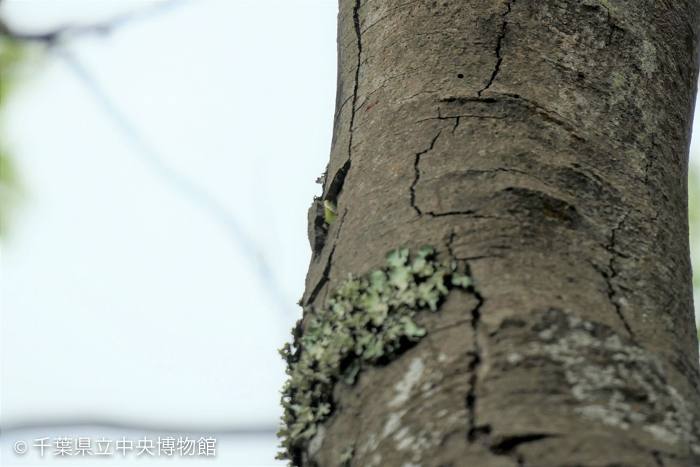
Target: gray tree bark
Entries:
(544, 145)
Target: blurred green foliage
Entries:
(694, 221)
(12, 52)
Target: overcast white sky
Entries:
(124, 299)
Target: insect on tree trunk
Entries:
(540, 147)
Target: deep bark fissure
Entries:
(471, 213)
(325, 277)
(530, 104)
(499, 43)
(613, 273)
(475, 431)
(416, 169)
(658, 459)
(507, 446)
(336, 185)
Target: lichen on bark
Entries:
(369, 320)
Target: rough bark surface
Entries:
(544, 143)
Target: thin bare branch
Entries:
(50, 38)
(198, 195)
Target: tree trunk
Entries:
(541, 147)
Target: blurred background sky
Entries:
(127, 298)
(143, 157)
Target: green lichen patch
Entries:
(368, 320)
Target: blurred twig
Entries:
(101, 28)
(247, 244)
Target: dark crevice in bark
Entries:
(544, 113)
(416, 169)
(613, 273)
(475, 431)
(340, 107)
(613, 27)
(336, 186)
(658, 459)
(650, 161)
(470, 213)
(358, 36)
(498, 50)
(337, 236)
(508, 444)
(326, 272)
(323, 280)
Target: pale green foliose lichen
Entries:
(347, 455)
(368, 320)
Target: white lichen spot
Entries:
(585, 351)
(376, 460)
(393, 423)
(647, 58)
(317, 441)
(441, 413)
(662, 434)
(598, 412)
(405, 443)
(515, 358)
(442, 357)
(574, 321)
(457, 416)
(403, 387)
(547, 334)
(401, 434)
(370, 445)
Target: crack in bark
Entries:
(613, 273)
(493, 98)
(474, 430)
(323, 280)
(326, 272)
(336, 185)
(658, 459)
(499, 60)
(507, 445)
(416, 169)
(650, 161)
(458, 117)
(471, 213)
